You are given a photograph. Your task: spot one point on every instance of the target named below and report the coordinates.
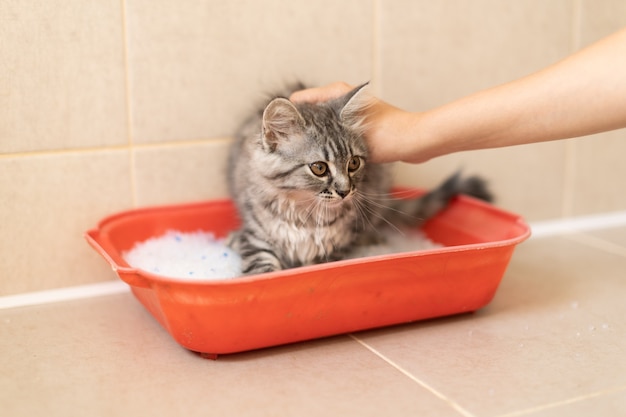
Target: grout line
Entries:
(576, 35)
(181, 143)
(133, 177)
(129, 112)
(598, 243)
(127, 95)
(564, 402)
(415, 379)
(63, 294)
(569, 169)
(376, 63)
(74, 151)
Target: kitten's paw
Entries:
(258, 267)
(256, 256)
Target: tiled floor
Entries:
(552, 343)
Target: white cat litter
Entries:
(199, 255)
(176, 254)
(397, 242)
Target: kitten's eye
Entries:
(319, 168)
(354, 163)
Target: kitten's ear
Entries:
(281, 120)
(352, 105)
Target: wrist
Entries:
(390, 133)
(417, 141)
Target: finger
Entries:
(318, 94)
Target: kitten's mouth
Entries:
(335, 201)
(326, 199)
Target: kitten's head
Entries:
(315, 152)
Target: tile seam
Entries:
(453, 404)
(61, 152)
(180, 144)
(127, 95)
(569, 169)
(74, 151)
(598, 243)
(129, 113)
(577, 27)
(376, 34)
(568, 401)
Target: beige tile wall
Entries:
(452, 48)
(114, 104)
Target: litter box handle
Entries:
(127, 274)
(132, 277)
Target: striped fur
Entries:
(305, 192)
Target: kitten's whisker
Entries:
(380, 216)
(322, 212)
(363, 215)
(359, 212)
(390, 208)
(410, 216)
(312, 207)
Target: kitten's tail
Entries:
(416, 211)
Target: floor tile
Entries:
(107, 356)
(550, 344)
(608, 404)
(554, 331)
(614, 235)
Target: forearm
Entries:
(584, 94)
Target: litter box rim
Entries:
(97, 239)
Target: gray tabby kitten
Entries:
(300, 178)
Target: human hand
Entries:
(386, 125)
(319, 94)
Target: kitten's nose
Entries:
(343, 193)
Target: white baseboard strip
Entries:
(577, 224)
(539, 229)
(63, 294)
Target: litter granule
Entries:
(199, 255)
(397, 242)
(191, 255)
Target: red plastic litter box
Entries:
(227, 316)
